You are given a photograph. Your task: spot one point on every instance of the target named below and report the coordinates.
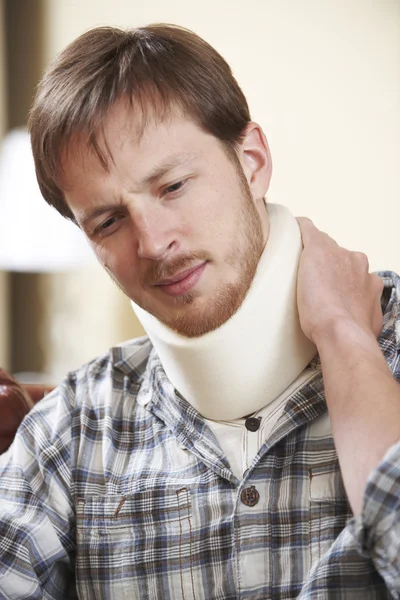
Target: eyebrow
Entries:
(173, 161)
(85, 216)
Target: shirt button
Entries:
(250, 496)
(252, 423)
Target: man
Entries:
(201, 464)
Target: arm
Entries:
(339, 306)
(36, 506)
(363, 402)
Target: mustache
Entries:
(170, 268)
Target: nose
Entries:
(156, 234)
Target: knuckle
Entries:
(361, 258)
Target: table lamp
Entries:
(34, 237)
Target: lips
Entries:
(179, 277)
(182, 282)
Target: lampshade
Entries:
(33, 235)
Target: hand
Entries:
(334, 286)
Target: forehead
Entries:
(128, 138)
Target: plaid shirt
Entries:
(116, 488)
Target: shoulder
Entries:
(120, 370)
(128, 359)
(99, 386)
(389, 338)
(72, 424)
(390, 297)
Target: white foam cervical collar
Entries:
(252, 358)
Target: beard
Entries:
(190, 318)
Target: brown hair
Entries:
(155, 67)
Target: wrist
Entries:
(342, 334)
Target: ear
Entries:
(255, 158)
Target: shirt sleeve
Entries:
(377, 530)
(36, 505)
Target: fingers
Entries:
(311, 233)
(307, 228)
(333, 282)
(304, 222)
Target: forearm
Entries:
(363, 401)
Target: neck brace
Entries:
(253, 357)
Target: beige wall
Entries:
(4, 354)
(2, 74)
(86, 314)
(321, 77)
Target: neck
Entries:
(254, 356)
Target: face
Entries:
(174, 220)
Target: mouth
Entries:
(182, 282)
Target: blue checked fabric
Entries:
(115, 488)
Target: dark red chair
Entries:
(15, 402)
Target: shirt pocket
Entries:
(329, 511)
(135, 546)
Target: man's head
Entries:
(144, 139)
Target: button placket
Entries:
(250, 496)
(252, 431)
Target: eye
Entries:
(174, 188)
(109, 225)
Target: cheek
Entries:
(116, 259)
(209, 209)
(101, 254)
(218, 216)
